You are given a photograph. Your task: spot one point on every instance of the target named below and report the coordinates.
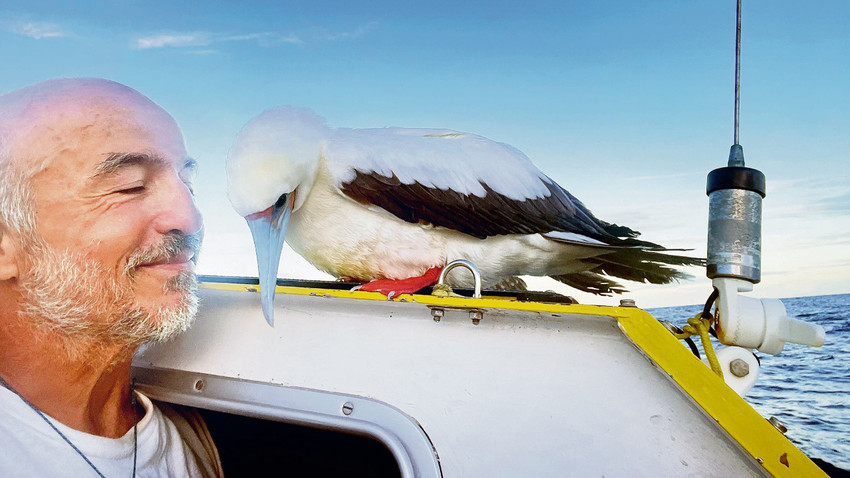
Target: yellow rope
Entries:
(698, 325)
(442, 290)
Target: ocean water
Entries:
(806, 388)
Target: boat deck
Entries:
(531, 389)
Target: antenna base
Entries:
(736, 155)
(736, 177)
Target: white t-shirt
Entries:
(30, 448)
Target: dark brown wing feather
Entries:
(491, 215)
(496, 214)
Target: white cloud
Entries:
(36, 30)
(173, 40)
(201, 52)
(39, 30)
(202, 39)
(266, 39)
(356, 33)
(292, 38)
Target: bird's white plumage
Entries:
(395, 202)
(283, 136)
(292, 149)
(296, 137)
(348, 239)
(435, 158)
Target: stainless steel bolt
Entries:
(476, 316)
(776, 423)
(739, 368)
(437, 314)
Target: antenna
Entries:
(737, 75)
(733, 264)
(736, 154)
(735, 193)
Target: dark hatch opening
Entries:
(255, 447)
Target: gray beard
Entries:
(77, 299)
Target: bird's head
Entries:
(270, 171)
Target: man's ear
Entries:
(8, 256)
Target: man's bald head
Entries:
(36, 119)
(40, 122)
(98, 226)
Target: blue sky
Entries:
(626, 104)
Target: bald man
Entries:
(98, 236)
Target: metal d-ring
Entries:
(476, 294)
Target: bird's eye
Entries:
(281, 201)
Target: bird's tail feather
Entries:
(638, 265)
(592, 283)
(610, 243)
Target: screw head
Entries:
(476, 316)
(437, 314)
(627, 303)
(739, 368)
(347, 408)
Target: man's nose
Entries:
(178, 211)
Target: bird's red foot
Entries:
(394, 287)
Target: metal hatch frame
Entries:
(401, 434)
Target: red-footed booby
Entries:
(395, 205)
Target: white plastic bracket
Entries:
(759, 323)
(747, 371)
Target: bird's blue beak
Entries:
(268, 229)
